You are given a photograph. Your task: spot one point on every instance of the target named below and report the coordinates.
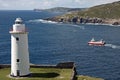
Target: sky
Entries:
(45, 4)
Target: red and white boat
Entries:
(96, 43)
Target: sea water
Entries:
(52, 42)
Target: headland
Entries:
(101, 14)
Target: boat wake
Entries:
(41, 21)
(112, 46)
(73, 25)
(82, 27)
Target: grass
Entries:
(81, 77)
(40, 74)
(45, 74)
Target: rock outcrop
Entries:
(78, 20)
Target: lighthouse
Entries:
(19, 50)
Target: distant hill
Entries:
(61, 9)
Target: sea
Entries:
(52, 43)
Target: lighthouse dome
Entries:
(18, 21)
(19, 26)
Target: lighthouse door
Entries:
(18, 72)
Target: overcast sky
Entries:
(43, 4)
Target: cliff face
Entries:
(106, 13)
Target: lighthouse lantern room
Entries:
(19, 50)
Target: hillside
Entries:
(111, 11)
(105, 13)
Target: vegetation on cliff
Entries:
(105, 11)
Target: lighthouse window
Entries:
(17, 39)
(18, 22)
(18, 60)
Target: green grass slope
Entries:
(105, 11)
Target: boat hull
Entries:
(96, 43)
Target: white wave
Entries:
(36, 20)
(53, 22)
(42, 21)
(113, 46)
(82, 27)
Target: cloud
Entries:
(31, 4)
(90, 3)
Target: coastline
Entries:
(110, 22)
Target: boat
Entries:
(96, 43)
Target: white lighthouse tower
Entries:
(19, 50)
